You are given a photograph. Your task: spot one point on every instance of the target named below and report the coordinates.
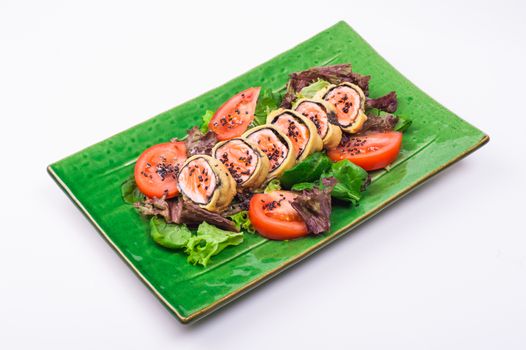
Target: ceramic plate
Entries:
(93, 176)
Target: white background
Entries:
(443, 268)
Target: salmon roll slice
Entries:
(300, 130)
(321, 114)
(247, 164)
(349, 103)
(277, 147)
(206, 182)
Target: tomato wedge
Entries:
(234, 116)
(273, 217)
(371, 152)
(157, 167)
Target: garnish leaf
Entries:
(273, 185)
(314, 206)
(308, 170)
(402, 124)
(171, 236)
(130, 193)
(303, 186)
(208, 242)
(206, 120)
(267, 102)
(351, 179)
(311, 90)
(242, 221)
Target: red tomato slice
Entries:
(371, 152)
(157, 167)
(273, 217)
(233, 118)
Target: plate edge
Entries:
(341, 232)
(262, 279)
(119, 252)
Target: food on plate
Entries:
(323, 117)
(300, 130)
(371, 151)
(277, 146)
(206, 182)
(271, 164)
(273, 216)
(235, 115)
(348, 101)
(245, 161)
(157, 168)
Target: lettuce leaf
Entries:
(208, 242)
(335, 74)
(267, 102)
(351, 180)
(198, 143)
(303, 186)
(273, 185)
(378, 120)
(308, 170)
(206, 120)
(311, 90)
(169, 235)
(130, 193)
(314, 206)
(242, 221)
(402, 124)
(387, 103)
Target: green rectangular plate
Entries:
(92, 177)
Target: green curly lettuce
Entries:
(208, 242)
(242, 221)
(206, 120)
(267, 102)
(169, 235)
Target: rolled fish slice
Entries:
(206, 182)
(276, 145)
(300, 130)
(246, 162)
(323, 117)
(348, 101)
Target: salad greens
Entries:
(208, 241)
(317, 180)
(311, 90)
(169, 235)
(308, 170)
(130, 193)
(206, 120)
(267, 102)
(242, 221)
(350, 180)
(304, 186)
(273, 185)
(402, 124)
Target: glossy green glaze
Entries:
(92, 177)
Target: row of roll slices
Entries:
(264, 152)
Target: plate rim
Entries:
(202, 312)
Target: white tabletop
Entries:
(444, 268)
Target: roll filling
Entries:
(300, 130)
(206, 182)
(247, 163)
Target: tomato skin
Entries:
(371, 152)
(235, 115)
(147, 178)
(279, 224)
